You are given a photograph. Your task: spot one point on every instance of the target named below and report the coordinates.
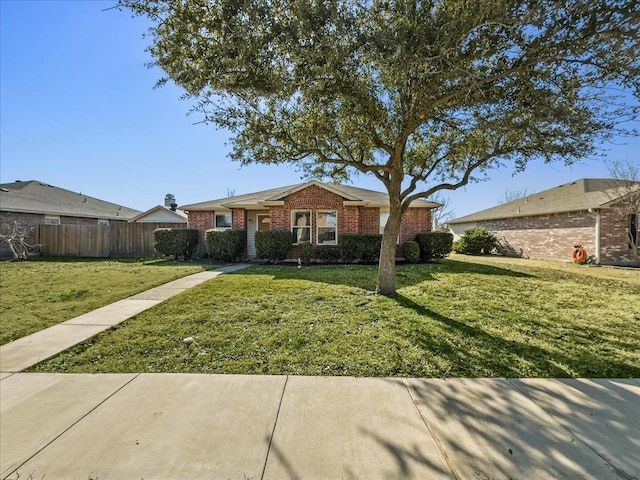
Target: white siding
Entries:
(459, 228)
(159, 216)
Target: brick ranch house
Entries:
(548, 224)
(314, 212)
(35, 203)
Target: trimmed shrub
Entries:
(226, 245)
(476, 241)
(179, 242)
(411, 251)
(434, 244)
(327, 253)
(306, 252)
(364, 248)
(273, 245)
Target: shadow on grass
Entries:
(366, 276)
(487, 355)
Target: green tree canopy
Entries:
(423, 95)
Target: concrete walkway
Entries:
(192, 426)
(27, 351)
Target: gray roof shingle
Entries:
(257, 199)
(38, 197)
(572, 197)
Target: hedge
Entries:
(226, 245)
(359, 247)
(273, 245)
(434, 244)
(327, 253)
(179, 242)
(411, 251)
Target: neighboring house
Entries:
(314, 212)
(162, 214)
(32, 203)
(548, 224)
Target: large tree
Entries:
(423, 95)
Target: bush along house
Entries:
(313, 212)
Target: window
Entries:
(223, 221)
(633, 230)
(51, 220)
(301, 226)
(103, 222)
(327, 225)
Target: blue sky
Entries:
(78, 110)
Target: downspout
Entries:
(597, 237)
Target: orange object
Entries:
(579, 254)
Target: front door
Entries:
(257, 223)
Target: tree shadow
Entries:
(366, 276)
(487, 354)
(504, 423)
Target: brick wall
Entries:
(414, 221)
(239, 219)
(614, 238)
(201, 221)
(279, 218)
(369, 220)
(547, 236)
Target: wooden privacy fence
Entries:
(116, 240)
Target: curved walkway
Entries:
(192, 426)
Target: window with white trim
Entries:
(301, 226)
(102, 221)
(51, 220)
(223, 221)
(327, 227)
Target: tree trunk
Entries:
(387, 263)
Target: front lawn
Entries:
(460, 318)
(37, 294)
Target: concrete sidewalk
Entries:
(181, 426)
(27, 351)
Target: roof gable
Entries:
(178, 215)
(584, 194)
(333, 188)
(37, 197)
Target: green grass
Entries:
(460, 318)
(37, 294)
